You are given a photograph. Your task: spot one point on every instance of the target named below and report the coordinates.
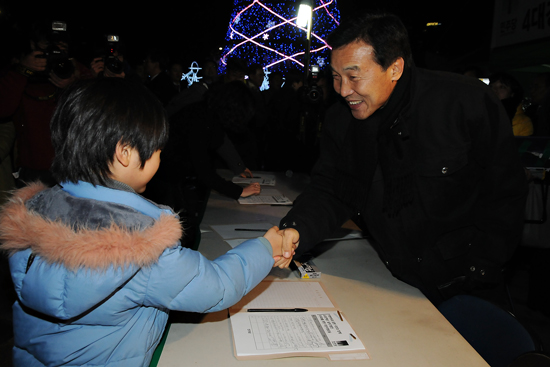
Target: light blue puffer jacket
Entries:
(96, 271)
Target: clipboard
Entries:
(322, 330)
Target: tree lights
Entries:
(266, 33)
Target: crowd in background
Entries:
(41, 66)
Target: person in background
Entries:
(200, 129)
(284, 112)
(209, 72)
(175, 71)
(29, 91)
(108, 60)
(256, 76)
(276, 81)
(510, 93)
(97, 267)
(235, 70)
(539, 109)
(159, 82)
(196, 91)
(216, 127)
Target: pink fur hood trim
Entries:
(55, 242)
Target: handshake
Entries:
(284, 243)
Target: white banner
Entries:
(517, 21)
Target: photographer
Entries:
(29, 91)
(110, 60)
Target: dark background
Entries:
(192, 29)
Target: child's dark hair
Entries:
(93, 116)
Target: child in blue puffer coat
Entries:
(97, 267)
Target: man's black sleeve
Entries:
(317, 212)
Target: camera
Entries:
(112, 62)
(312, 93)
(58, 60)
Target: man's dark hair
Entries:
(93, 116)
(384, 32)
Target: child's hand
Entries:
(276, 240)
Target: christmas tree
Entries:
(265, 33)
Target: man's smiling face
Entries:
(363, 83)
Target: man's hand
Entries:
(246, 173)
(97, 66)
(34, 62)
(291, 239)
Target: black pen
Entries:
(277, 310)
(251, 229)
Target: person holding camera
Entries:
(97, 67)
(109, 61)
(29, 91)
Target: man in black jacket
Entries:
(424, 161)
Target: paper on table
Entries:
(267, 180)
(290, 295)
(274, 335)
(227, 231)
(320, 332)
(267, 196)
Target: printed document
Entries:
(275, 330)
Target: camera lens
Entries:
(114, 65)
(63, 68)
(314, 95)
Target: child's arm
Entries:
(185, 280)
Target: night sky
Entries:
(190, 29)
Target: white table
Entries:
(396, 323)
